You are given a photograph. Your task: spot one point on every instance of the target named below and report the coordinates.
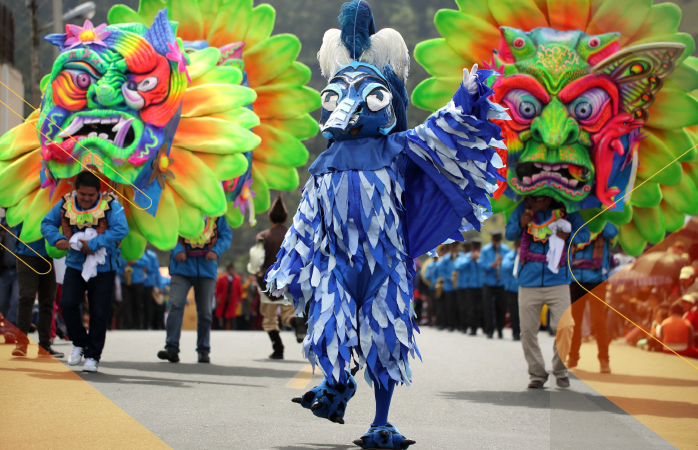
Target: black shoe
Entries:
(277, 345)
(168, 355)
(472, 333)
(300, 327)
(20, 350)
(490, 336)
(277, 355)
(563, 383)
(48, 351)
(536, 384)
(203, 358)
(500, 335)
(517, 337)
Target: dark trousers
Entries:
(598, 321)
(463, 320)
(440, 310)
(30, 282)
(473, 300)
(99, 292)
(149, 306)
(494, 308)
(513, 304)
(450, 309)
(133, 306)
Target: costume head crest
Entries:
(354, 107)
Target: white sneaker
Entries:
(75, 356)
(90, 365)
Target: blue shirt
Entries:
(487, 257)
(468, 272)
(429, 273)
(137, 274)
(444, 269)
(24, 250)
(590, 276)
(199, 266)
(109, 240)
(152, 276)
(511, 284)
(535, 274)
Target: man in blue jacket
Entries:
(470, 286)
(532, 222)
(152, 281)
(9, 290)
(494, 303)
(35, 274)
(591, 263)
(132, 275)
(195, 263)
(462, 280)
(86, 208)
(448, 310)
(511, 289)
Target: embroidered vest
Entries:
(596, 263)
(539, 233)
(202, 244)
(94, 218)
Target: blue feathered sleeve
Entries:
(451, 170)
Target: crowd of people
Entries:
(468, 287)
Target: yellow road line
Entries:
(302, 379)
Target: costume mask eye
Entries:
(133, 99)
(524, 105)
(587, 108)
(329, 100)
(148, 84)
(377, 100)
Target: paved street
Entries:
(470, 393)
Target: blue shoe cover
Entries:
(329, 402)
(386, 436)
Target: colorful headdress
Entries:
(119, 99)
(603, 96)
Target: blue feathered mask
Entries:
(367, 72)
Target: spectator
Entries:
(511, 288)
(687, 279)
(193, 263)
(444, 270)
(228, 297)
(494, 302)
(469, 271)
(9, 290)
(99, 215)
(677, 333)
(132, 274)
(151, 282)
(35, 275)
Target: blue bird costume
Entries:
(379, 196)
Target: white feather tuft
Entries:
(333, 55)
(388, 48)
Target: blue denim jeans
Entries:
(203, 294)
(9, 295)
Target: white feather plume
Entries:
(333, 55)
(388, 48)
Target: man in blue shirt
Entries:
(511, 289)
(132, 275)
(532, 222)
(9, 290)
(194, 263)
(83, 210)
(152, 280)
(461, 288)
(494, 306)
(469, 279)
(591, 263)
(34, 274)
(444, 270)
